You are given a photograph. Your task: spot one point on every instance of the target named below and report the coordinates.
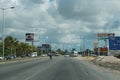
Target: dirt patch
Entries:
(115, 66)
(108, 62)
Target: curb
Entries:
(18, 60)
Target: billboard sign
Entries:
(46, 45)
(29, 36)
(105, 34)
(114, 43)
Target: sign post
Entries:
(105, 37)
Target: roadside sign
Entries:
(104, 49)
(114, 43)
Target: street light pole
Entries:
(3, 31)
(3, 26)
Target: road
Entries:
(59, 68)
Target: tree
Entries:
(10, 45)
(15, 47)
(0, 48)
(60, 51)
(25, 49)
(21, 49)
(65, 52)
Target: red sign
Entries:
(104, 49)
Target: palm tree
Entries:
(0, 48)
(14, 47)
(10, 45)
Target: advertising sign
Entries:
(105, 34)
(29, 36)
(104, 49)
(114, 43)
(46, 46)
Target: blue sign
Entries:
(114, 43)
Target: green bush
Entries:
(117, 55)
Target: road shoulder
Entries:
(93, 64)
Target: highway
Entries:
(59, 68)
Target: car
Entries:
(23, 55)
(34, 54)
(66, 55)
(1, 58)
(9, 57)
(43, 55)
(73, 54)
(56, 54)
(94, 55)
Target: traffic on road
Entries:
(59, 39)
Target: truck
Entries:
(74, 54)
(33, 54)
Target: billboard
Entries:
(105, 34)
(29, 36)
(114, 43)
(46, 45)
(101, 49)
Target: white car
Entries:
(66, 55)
(43, 55)
(1, 58)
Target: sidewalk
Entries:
(18, 60)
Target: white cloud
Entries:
(61, 20)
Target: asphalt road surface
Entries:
(59, 68)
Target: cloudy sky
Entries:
(63, 23)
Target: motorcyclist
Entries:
(50, 55)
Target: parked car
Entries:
(9, 57)
(1, 58)
(23, 55)
(33, 54)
